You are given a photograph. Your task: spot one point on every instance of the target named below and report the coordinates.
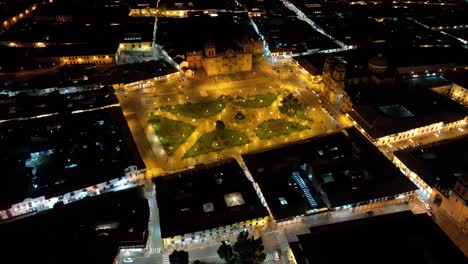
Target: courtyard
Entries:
(260, 109)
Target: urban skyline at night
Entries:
(233, 131)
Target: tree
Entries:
(246, 250)
(290, 104)
(179, 257)
(249, 249)
(220, 125)
(225, 252)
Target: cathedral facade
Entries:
(229, 61)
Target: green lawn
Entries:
(196, 110)
(217, 140)
(171, 133)
(298, 114)
(257, 101)
(277, 127)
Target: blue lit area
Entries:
(299, 184)
(37, 160)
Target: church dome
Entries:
(378, 64)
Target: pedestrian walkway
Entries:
(166, 259)
(270, 257)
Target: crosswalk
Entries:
(282, 240)
(270, 257)
(166, 259)
(152, 251)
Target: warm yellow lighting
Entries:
(40, 45)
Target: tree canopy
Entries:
(246, 250)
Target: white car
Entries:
(277, 258)
(127, 260)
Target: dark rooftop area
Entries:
(61, 153)
(393, 238)
(279, 36)
(63, 30)
(460, 78)
(344, 165)
(396, 107)
(225, 30)
(87, 231)
(80, 75)
(440, 164)
(199, 5)
(206, 197)
(23, 105)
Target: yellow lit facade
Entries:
(333, 88)
(436, 127)
(143, 12)
(456, 207)
(459, 94)
(223, 232)
(87, 59)
(422, 185)
(227, 62)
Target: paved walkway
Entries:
(137, 104)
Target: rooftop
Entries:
(276, 29)
(90, 230)
(80, 75)
(344, 165)
(199, 5)
(54, 155)
(440, 164)
(396, 107)
(26, 106)
(226, 30)
(412, 238)
(206, 197)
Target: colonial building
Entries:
(232, 60)
(383, 105)
(457, 204)
(333, 88)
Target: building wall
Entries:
(88, 59)
(143, 12)
(217, 232)
(132, 177)
(135, 46)
(333, 90)
(227, 63)
(420, 131)
(195, 60)
(456, 206)
(426, 190)
(459, 94)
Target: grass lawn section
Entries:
(196, 110)
(277, 127)
(171, 133)
(257, 101)
(299, 114)
(217, 140)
